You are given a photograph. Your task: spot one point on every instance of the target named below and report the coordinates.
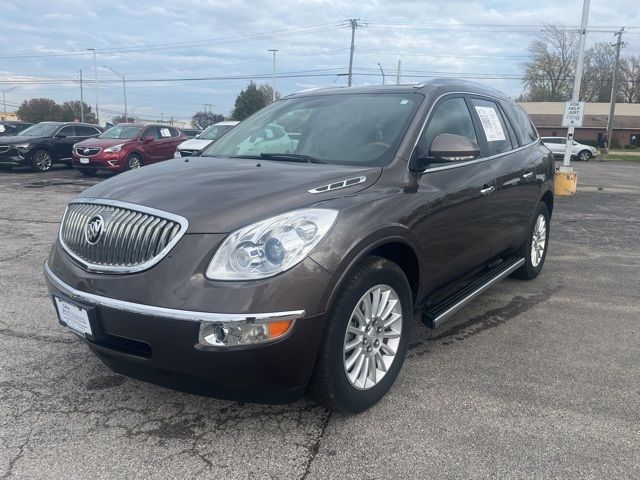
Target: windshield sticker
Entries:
(164, 132)
(491, 124)
(404, 102)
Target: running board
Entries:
(436, 314)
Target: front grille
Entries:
(87, 151)
(187, 153)
(132, 238)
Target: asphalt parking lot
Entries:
(534, 379)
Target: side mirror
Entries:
(446, 148)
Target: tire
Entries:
(41, 161)
(133, 161)
(585, 155)
(330, 383)
(88, 172)
(534, 263)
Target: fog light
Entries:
(112, 163)
(241, 333)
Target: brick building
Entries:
(547, 117)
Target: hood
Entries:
(12, 140)
(104, 142)
(194, 144)
(219, 195)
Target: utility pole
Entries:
(273, 82)
(382, 72)
(576, 84)
(614, 85)
(398, 74)
(81, 99)
(354, 24)
(95, 72)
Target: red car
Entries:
(127, 146)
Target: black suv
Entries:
(257, 274)
(44, 144)
(10, 128)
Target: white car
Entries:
(200, 142)
(578, 150)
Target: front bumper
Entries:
(111, 161)
(160, 345)
(14, 157)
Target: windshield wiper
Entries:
(291, 157)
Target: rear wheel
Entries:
(534, 249)
(133, 161)
(41, 161)
(366, 337)
(584, 155)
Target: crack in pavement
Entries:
(315, 448)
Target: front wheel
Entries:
(41, 161)
(534, 248)
(133, 161)
(366, 336)
(585, 155)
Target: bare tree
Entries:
(548, 76)
(629, 79)
(598, 73)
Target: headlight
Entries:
(271, 246)
(22, 145)
(176, 154)
(115, 148)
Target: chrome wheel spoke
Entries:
(372, 337)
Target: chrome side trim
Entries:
(339, 184)
(463, 301)
(92, 267)
(188, 315)
(471, 162)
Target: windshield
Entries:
(40, 130)
(214, 132)
(348, 129)
(121, 131)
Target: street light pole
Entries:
(576, 84)
(273, 82)
(81, 99)
(95, 72)
(124, 89)
(382, 72)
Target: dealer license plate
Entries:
(73, 316)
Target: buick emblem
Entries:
(93, 230)
(86, 150)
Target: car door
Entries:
(457, 229)
(514, 169)
(164, 146)
(63, 142)
(149, 148)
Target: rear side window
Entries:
(494, 126)
(174, 132)
(450, 116)
(521, 123)
(82, 131)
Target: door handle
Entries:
(488, 190)
(527, 175)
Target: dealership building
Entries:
(547, 117)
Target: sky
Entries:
(162, 46)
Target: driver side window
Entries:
(450, 116)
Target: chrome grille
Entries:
(88, 151)
(132, 238)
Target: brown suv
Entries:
(254, 274)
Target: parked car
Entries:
(197, 144)
(264, 273)
(44, 144)
(578, 150)
(127, 146)
(191, 132)
(10, 128)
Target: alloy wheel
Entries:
(372, 337)
(584, 156)
(134, 162)
(539, 240)
(42, 160)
